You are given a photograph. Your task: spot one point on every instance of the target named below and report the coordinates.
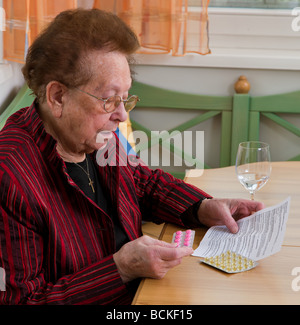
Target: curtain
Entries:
(162, 26)
(25, 19)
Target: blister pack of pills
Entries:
(230, 262)
(184, 238)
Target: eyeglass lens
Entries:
(113, 103)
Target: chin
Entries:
(92, 147)
(100, 145)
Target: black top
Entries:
(99, 197)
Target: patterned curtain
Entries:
(25, 19)
(163, 26)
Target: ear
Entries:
(54, 95)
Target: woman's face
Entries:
(84, 125)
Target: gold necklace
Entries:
(88, 174)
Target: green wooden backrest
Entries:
(240, 115)
(240, 123)
(24, 98)
(270, 107)
(208, 107)
(247, 114)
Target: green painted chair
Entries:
(271, 107)
(240, 115)
(22, 99)
(247, 113)
(208, 107)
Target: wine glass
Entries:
(253, 165)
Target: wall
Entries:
(11, 80)
(220, 82)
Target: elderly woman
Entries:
(70, 230)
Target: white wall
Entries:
(220, 82)
(11, 80)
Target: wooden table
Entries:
(271, 282)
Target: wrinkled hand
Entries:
(214, 212)
(148, 257)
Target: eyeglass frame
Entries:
(106, 99)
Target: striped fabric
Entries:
(57, 245)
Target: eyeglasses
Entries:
(113, 102)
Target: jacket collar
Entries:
(45, 142)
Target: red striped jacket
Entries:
(56, 245)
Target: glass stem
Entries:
(252, 195)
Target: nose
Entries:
(120, 113)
